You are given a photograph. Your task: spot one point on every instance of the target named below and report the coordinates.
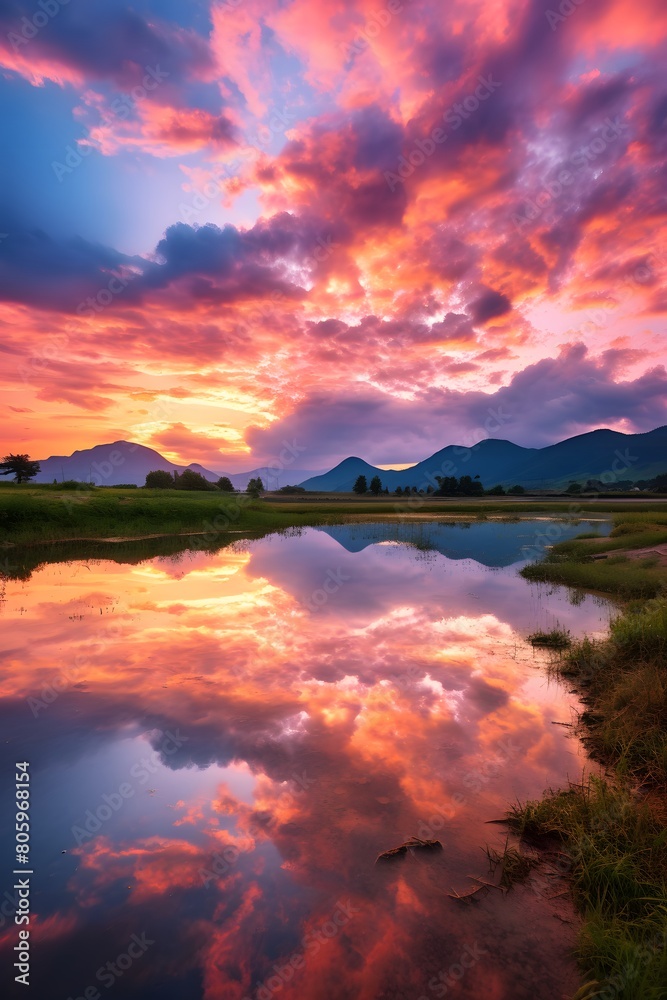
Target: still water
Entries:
(221, 743)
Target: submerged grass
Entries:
(618, 853)
(555, 639)
(514, 866)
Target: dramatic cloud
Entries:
(549, 400)
(367, 227)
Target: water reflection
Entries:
(223, 743)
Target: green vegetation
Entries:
(555, 639)
(225, 484)
(624, 682)
(255, 487)
(514, 865)
(614, 830)
(617, 850)
(466, 486)
(29, 516)
(159, 479)
(188, 479)
(39, 512)
(599, 564)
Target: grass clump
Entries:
(624, 682)
(555, 639)
(617, 850)
(514, 866)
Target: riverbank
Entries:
(32, 515)
(613, 829)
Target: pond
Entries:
(221, 743)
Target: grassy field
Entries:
(614, 830)
(32, 514)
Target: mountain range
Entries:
(123, 462)
(586, 456)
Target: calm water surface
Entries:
(222, 743)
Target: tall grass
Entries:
(624, 680)
(617, 852)
(617, 843)
(35, 517)
(573, 562)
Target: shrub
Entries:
(191, 480)
(159, 479)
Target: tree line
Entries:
(162, 479)
(448, 486)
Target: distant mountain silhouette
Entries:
(586, 456)
(125, 462)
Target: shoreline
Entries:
(612, 828)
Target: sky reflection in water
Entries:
(263, 722)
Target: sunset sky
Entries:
(370, 227)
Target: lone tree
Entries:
(225, 484)
(516, 490)
(160, 479)
(361, 486)
(255, 487)
(20, 467)
(376, 486)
